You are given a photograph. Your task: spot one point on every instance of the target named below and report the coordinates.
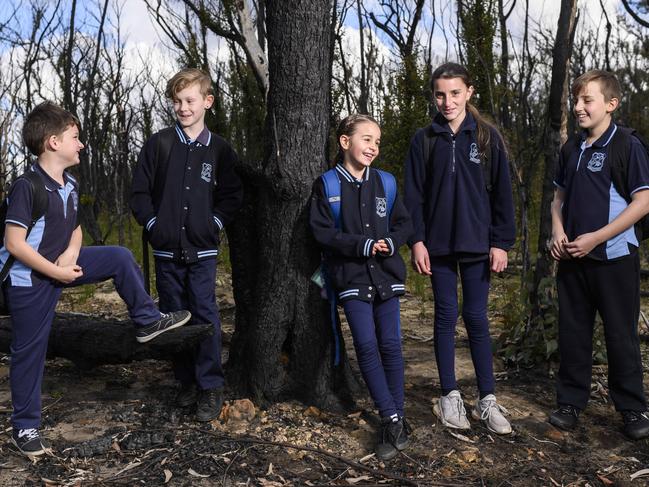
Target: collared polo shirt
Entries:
(591, 200)
(51, 234)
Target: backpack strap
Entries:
(40, 203)
(618, 151)
(332, 189)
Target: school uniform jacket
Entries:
(186, 201)
(452, 211)
(365, 219)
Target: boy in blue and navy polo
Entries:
(48, 257)
(183, 198)
(594, 240)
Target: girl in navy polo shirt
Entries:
(363, 264)
(458, 193)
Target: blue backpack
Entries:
(332, 189)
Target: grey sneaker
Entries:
(167, 321)
(490, 413)
(29, 442)
(450, 410)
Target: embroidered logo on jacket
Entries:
(206, 172)
(474, 156)
(75, 200)
(381, 207)
(596, 161)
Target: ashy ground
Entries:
(115, 425)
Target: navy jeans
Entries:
(376, 330)
(475, 292)
(32, 312)
(193, 287)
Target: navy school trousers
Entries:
(475, 278)
(612, 288)
(32, 312)
(192, 286)
(376, 330)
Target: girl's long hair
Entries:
(454, 70)
(347, 126)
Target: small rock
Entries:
(239, 410)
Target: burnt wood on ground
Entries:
(89, 341)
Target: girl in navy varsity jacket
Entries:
(458, 192)
(365, 269)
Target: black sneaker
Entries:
(210, 402)
(400, 431)
(167, 321)
(29, 442)
(385, 449)
(565, 417)
(636, 424)
(187, 395)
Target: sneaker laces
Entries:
(406, 426)
(461, 412)
(489, 407)
(30, 433)
(633, 416)
(568, 409)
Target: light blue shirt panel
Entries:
(21, 275)
(618, 245)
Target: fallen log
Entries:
(89, 341)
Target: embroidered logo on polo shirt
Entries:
(474, 155)
(381, 207)
(75, 200)
(206, 172)
(596, 161)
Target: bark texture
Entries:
(89, 341)
(283, 342)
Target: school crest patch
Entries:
(596, 161)
(381, 207)
(474, 156)
(206, 172)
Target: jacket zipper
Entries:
(453, 160)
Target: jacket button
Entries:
(367, 224)
(363, 205)
(370, 288)
(371, 266)
(369, 295)
(379, 286)
(187, 187)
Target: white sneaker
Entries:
(491, 414)
(450, 410)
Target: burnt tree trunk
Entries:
(554, 135)
(283, 343)
(88, 341)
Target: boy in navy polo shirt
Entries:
(184, 195)
(594, 240)
(49, 257)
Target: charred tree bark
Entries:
(555, 134)
(89, 341)
(283, 343)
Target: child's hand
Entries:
(67, 274)
(497, 259)
(67, 258)
(582, 245)
(420, 259)
(381, 247)
(558, 246)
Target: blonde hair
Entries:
(608, 83)
(187, 77)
